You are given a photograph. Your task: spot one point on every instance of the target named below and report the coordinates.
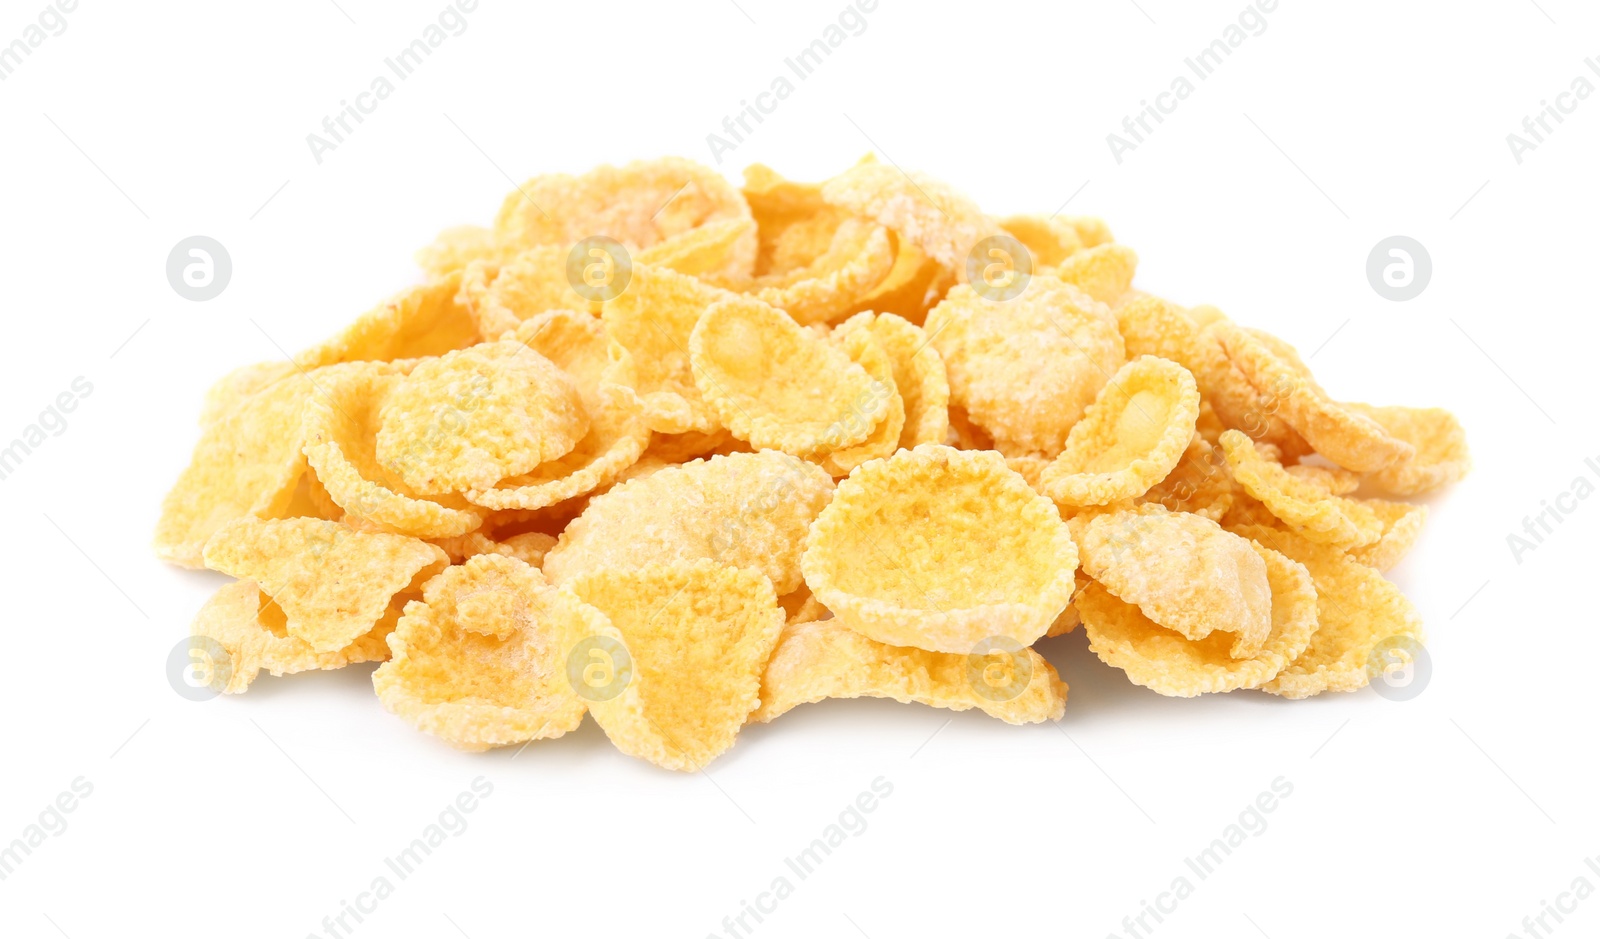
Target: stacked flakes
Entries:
(682, 456)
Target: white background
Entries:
(1457, 813)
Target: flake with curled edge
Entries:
(641, 205)
(1340, 433)
(340, 443)
(248, 463)
(824, 659)
(1184, 572)
(864, 350)
(698, 636)
(1130, 438)
(480, 661)
(1303, 505)
(649, 324)
(1025, 369)
(919, 374)
(488, 593)
(332, 582)
(1165, 662)
(941, 222)
(253, 631)
(940, 549)
(777, 386)
(793, 225)
(1152, 326)
(858, 257)
(745, 509)
(617, 435)
(1357, 609)
(1439, 443)
(470, 418)
(1402, 526)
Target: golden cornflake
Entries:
(480, 661)
(919, 375)
(697, 637)
(1305, 506)
(470, 418)
(331, 581)
(641, 205)
(1184, 572)
(777, 386)
(341, 425)
(1343, 435)
(1130, 438)
(254, 633)
(944, 224)
(817, 660)
(1357, 609)
(649, 325)
(617, 435)
(1164, 661)
(744, 510)
(1025, 369)
(940, 549)
(1440, 454)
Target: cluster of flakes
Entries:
(797, 454)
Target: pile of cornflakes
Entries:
(682, 456)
